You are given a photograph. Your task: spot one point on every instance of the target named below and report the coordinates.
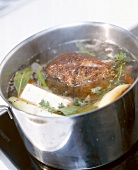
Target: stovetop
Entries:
(13, 147)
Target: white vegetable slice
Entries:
(29, 108)
(35, 95)
(112, 95)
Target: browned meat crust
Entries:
(75, 74)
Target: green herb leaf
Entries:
(21, 79)
(78, 102)
(69, 110)
(86, 108)
(60, 105)
(118, 67)
(96, 90)
(120, 56)
(52, 109)
(46, 105)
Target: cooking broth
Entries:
(121, 64)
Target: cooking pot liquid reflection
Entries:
(55, 132)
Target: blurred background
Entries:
(20, 19)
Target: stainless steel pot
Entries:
(82, 141)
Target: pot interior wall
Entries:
(49, 39)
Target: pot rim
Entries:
(50, 29)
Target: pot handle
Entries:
(4, 109)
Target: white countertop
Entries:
(36, 15)
(33, 16)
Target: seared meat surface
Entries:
(75, 74)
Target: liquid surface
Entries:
(115, 66)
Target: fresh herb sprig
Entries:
(118, 67)
(46, 105)
(61, 108)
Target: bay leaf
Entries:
(86, 108)
(69, 110)
(21, 79)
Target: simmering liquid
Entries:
(121, 66)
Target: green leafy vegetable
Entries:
(21, 79)
(96, 90)
(69, 110)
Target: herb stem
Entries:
(41, 78)
(120, 72)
